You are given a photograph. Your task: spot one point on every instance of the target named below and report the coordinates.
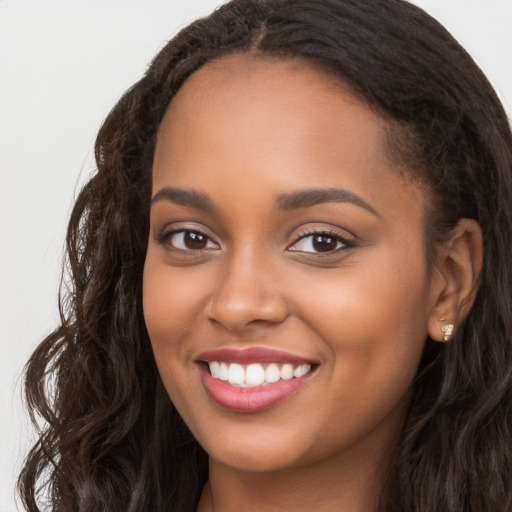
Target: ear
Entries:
(458, 269)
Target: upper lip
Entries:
(251, 355)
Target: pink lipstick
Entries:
(252, 380)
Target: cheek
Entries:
(372, 313)
(373, 322)
(172, 301)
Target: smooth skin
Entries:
(343, 282)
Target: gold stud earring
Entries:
(447, 331)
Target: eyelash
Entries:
(345, 243)
(167, 235)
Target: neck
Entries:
(340, 483)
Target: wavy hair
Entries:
(110, 438)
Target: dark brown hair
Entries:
(109, 436)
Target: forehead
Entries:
(250, 92)
(245, 123)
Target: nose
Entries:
(247, 294)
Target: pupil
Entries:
(323, 243)
(195, 240)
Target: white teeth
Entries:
(215, 369)
(301, 370)
(272, 373)
(287, 372)
(223, 372)
(236, 374)
(255, 374)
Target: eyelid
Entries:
(347, 243)
(166, 233)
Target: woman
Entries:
(291, 277)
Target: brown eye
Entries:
(195, 240)
(324, 243)
(318, 243)
(190, 241)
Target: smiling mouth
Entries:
(256, 374)
(254, 379)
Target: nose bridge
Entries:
(247, 290)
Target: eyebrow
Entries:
(311, 197)
(285, 202)
(183, 197)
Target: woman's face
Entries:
(283, 241)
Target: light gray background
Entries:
(63, 64)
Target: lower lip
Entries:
(255, 399)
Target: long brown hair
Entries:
(109, 436)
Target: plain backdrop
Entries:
(63, 65)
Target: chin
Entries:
(254, 458)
